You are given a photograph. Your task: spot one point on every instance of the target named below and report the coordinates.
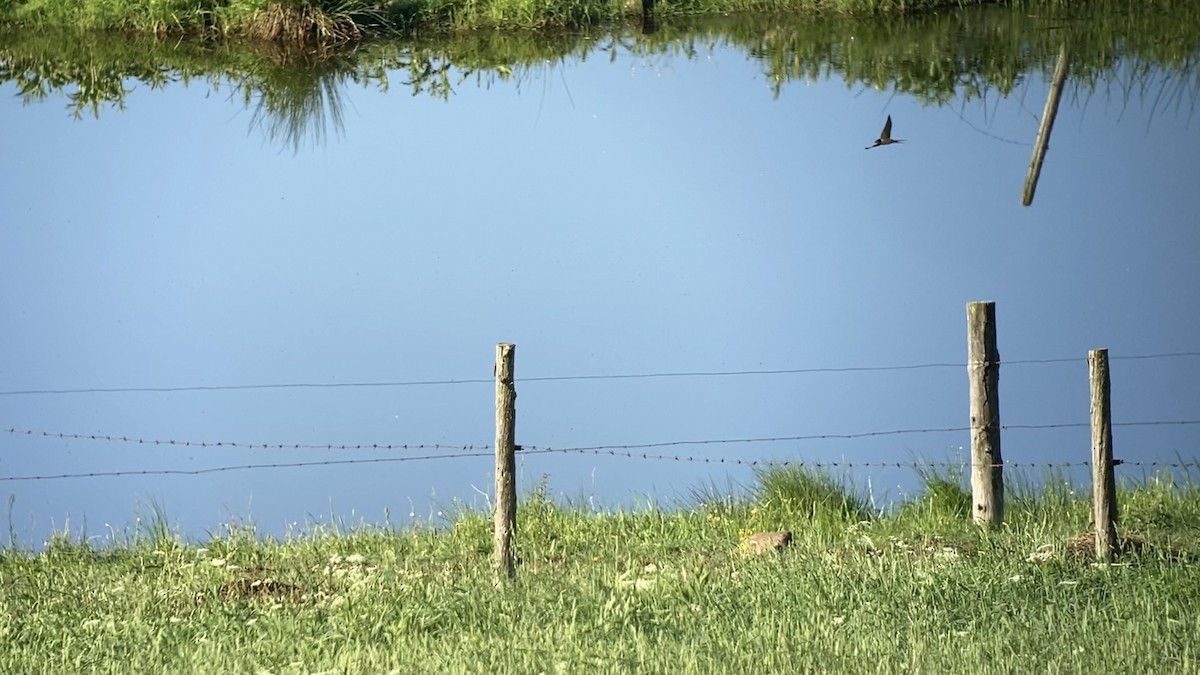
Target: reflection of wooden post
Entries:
(505, 517)
(1043, 137)
(649, 19)
(983, 370)
(1104, 484)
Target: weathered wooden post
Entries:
(983, 370)
(1104, 483)
(505, 516)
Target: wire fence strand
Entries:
(241, 445)
(582, 377)
(238, 467)
(800, 463)
(627, 454)
(109, 438)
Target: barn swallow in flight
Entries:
(885, 138)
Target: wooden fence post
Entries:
(983, 370)
(1104, 484)
(505, 516)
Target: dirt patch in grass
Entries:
(1085, 543)
(248, 588)
(1130, 548)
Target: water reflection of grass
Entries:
(642, 590)
(295, 91)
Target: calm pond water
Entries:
(182, 223)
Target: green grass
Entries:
(919, 589)
(334, 21)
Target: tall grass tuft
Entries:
(817, 495)
(944, 495)
(154, 530)
(307, 22)
(714, 499)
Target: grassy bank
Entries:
(332, 21)
(919, 590)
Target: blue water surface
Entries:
(634, 217)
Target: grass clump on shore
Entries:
(303, 22)
(647, 590)
(289, 21)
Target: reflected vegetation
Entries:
(296, 95)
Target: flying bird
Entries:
(885, 138)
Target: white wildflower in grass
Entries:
(838, 620)
(217, 562)
(629, 579)
(1016, 578)
(355, 559)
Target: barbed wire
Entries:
(634, 446)
(852, 464)
(245, 467)
(860, 435)
(564, 378)
(799, 463)
(770, 463)
(242, 445)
